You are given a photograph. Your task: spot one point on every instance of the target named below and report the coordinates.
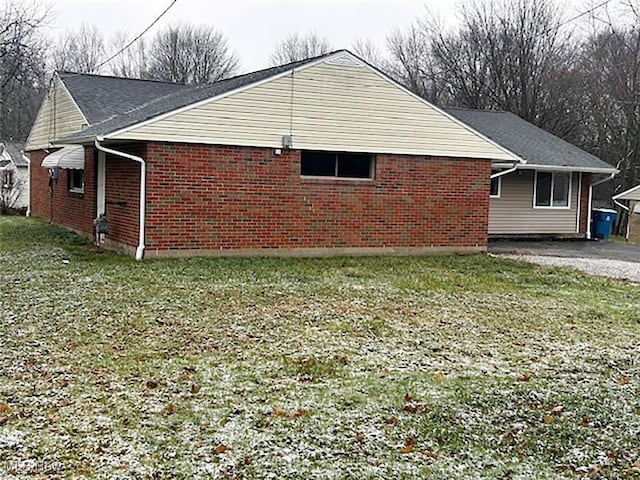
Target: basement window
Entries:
(552, 190)
(76, 180)
(336, 164)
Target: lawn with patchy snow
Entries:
(433, 367)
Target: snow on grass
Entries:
(443, 367)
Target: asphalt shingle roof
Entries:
(132, 104)
(101, 98)
(533, 144)
(15, 152)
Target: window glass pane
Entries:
(543, 189)
(76, 179)
(318, 163)
(561, 189)
(352, 165)
(495, 186)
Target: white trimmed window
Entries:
(76, 180)
(496, 186)
(552, 190)
(336, 164)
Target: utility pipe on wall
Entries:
(143, 182)
(28, 214)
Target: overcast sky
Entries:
(254, 27)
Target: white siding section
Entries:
(58, 117)
(513, 212)
(323, 107)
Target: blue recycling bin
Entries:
(602, 222)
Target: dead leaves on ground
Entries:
(409, 443)
(414, 405)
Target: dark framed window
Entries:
(76, 180)
(552, 189)
(7, 179)
(336, 164)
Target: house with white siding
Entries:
(319, 157)
(14, 178)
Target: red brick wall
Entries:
(72, 210)
(213, 197)
(122, 195)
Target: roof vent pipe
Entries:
(143, 182)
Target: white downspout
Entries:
(143, 182)
(28, 159)
(608, 179)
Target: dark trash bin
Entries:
(602, 221)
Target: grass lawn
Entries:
(433, 367)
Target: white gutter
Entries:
(561, 168)
(504, 172)
(143, 181)
(589, 206)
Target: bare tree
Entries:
(79, 51)
(22, 66)
(188, 54)
(413, 64)
(511, 55)
(131, 62)
(366, 50)
(299, 47)
(611, 64)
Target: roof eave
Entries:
(620, 196)
(568, 168)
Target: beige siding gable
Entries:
(333, 105)
(58, 117)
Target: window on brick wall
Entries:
(552, 189)
(76, 180)
(336, 164)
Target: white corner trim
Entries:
(206, 101)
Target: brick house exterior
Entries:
(319, 157)
(204, 199)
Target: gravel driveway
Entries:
(606, 258)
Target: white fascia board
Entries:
(564, 168)
(220, 97)
(626, 192)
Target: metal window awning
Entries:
(71, 157)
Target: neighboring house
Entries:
(633, 223)
(550, 192)
(322, 156)
(14, 177)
